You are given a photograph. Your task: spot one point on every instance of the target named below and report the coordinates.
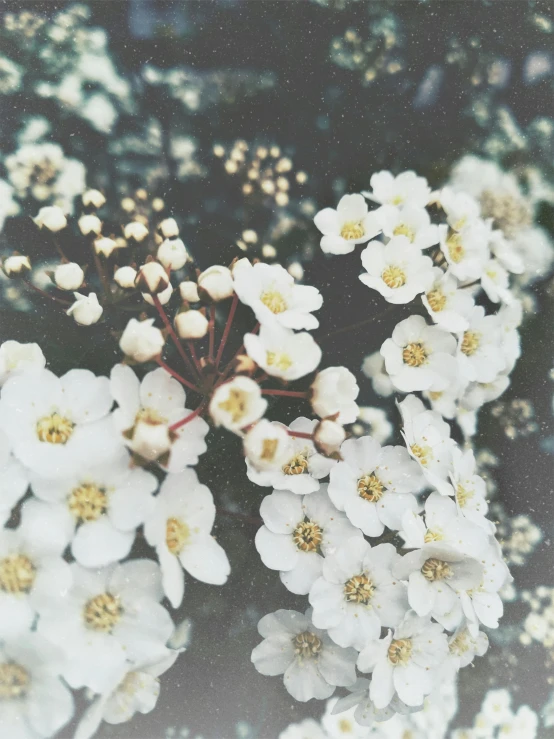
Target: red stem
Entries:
(192, 350)
(289, 393)
(177, 376)
(171, 331)
(212, 332)
(300, 434)
(45, 294)
(228, 325)
(189, 418)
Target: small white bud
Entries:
(191, 324)
(136, 231)
(94, 198)
(141, 340)
(51, 217)
(328, 436)
(216, 282)
(125, 277)
(189, 291)
(173, 254)
(296, 270)
(86, 309)
(237, 404)
(16, 266)
(267, 446)
(163, 297)
(90, 224)
(152, 278)
(335, 390)
(105, 246)
(150, 438)
(239, 264)
(169, 228)
(69, 276)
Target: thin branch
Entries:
(228, 325)
(189, 418)
(171, 331)
(177, 376)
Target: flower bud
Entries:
(94, 198)
(105, 246)
(335, 390)
(240, 263)
(16, 266)
(191, 324)
(135, 231)
(69, 276)
(328, 437)
(150, 438)
(237, 403)
(125, 277)
(163, 297)
(90, 224)
(86, 309)
(189, 291)
(216, 283)
(51, 217)
(169, 228)
(141, 340)
(173, 254)
(152, 278)
(267, 446)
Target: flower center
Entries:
(88, 502)
(307, 536)
(17, 574)
(470, 343)
(14, 681)
(236, 404)
(352, 230)
(509, 211)
(359, 589)
(280, 360)
(102, 612)
(414, 355)
(436, 569)
(370, 488)
(400, 651)
(54, 429)
(296, 466)
(150, 416)
(274, 301)
(393, 276)
(431, 535)
(437, 300)
(455, 249)
(403, 230)
(460, 644)
(306, 644)
(463, 496)
(422, 453)
(269, 447)
(176, 535)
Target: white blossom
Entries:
(348, 225)
(282, 353)
(406, 189)
(267, 446)
(466, 251)
(334, 391)
(237, 403)
(86, 310)
(141, 340)
(479, 353)
(448, 306)
(412, 222)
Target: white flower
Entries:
(90, 224)
(478, 393)
(86, 310)
(237, 403)
(479, 354)
(136, 231)
(510, 317)
(282, 353)
(357, 593)
(448, 306)
(374, 368)
(191, 324)
(169, 228)
(436, 574)
(216, 283)
(297, 535)
(420, 357)
(125, 277)
(56, 425)
(108, 617)
(16, 266)
(152, 278)
(179, 529)
(164, 296)
(69, 276)
(311, 663)
(31, 570)
(16, 358)
(495, 281)
(35, 702)
(267, 446)
(328, 437)
(377, 423)
(106, 246)
(506, 253)
(334, 390)
(146, 411)
(373, 485)
(396, 270)
(404, 663)
(464, 647)
(466, 251)
(301, 470)
(274, 297)
(406, 189)
(447, 401)
(412, 222)
(141, 340)
(52, 218)
(97, 509)
(348, 225)
(359, 707)
(94, 198)
(14, 479)
(172, 253)
(483, 604)
(461, 209)
(427, 438)
(189, 291)
(470, 489)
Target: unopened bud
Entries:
(191, 324)
(90, 224)
(69, 276)
(152, 278)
